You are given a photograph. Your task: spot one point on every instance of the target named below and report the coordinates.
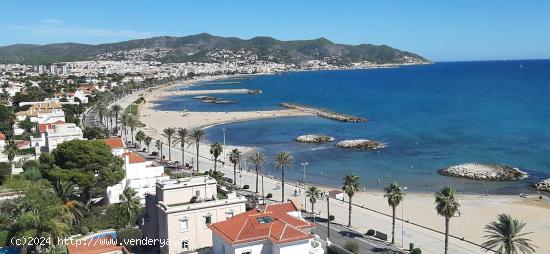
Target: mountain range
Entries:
(209, 48)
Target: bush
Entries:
(126, 234)
(84, 230)
(352, 246)
(371, 232)
(331, 218)
(101, 218)
(4, 238)
(269, 195)
(246, 187)
(416, 251)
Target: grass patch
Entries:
(132, 109)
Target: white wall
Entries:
(299, 247)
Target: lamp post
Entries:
(328, 217)
(403, 220)
(304, 164)
(223, 130)
(263, 195)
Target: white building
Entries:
(273, 229)
(182, 210)
(117, 145)
(62, 132)
(41, 113)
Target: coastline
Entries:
(475, 208)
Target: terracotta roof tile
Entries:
(2, 136)
(105, 245)
(114, 142)
(278, 226)
(133, 158)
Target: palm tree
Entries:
(116, 111)
(215, 150)
(125, 120)
(69, 194)
(351, 185)
(235, 158)
(109, 115)
(101, 109)
(446, 205)
(11, 150)
(140, 136)
(182, 137)
(313, 192)
(168, 133)
(506, 237)
(129, 203)
(258, 160)
(394, 194)
(148, 141)
(158, 145)
(198, 135)
(133, 123)
(283, 159)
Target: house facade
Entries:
(62, 132)
(182, 209)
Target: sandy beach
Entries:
(476, 210)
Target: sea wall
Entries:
(314, 138)
(360, 144)
(486, 172)
(324, 113)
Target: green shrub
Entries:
(416, 251)
(4, 238)
(269, 195)
(126, 234)
(101, 218)
(352, 246)
(371, 232)
(84, 230)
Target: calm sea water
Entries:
(430, 116)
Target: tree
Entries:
(446, 205)
(351, 185)
(6, 113)
(235, 158)
(158, 145)
(168, 133)
(215, 150)
(133, 123)
(125, 120)
(148, 141)
(88, 164)
(69, 194)
(26, 125)
(258, 160)
(11, 150)
(283, 159)
(314, 193)
(95, 133)
(505, 236)
(182, 137)
(116, 112)
(129, 203)
(394, 194)
(140, 137)
(198, 135)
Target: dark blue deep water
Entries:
(430, 116)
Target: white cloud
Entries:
(51, 21)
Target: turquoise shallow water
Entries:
(430, 116)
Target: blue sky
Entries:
(442, 30)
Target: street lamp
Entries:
(403, 220)
(304, 164)
(223, 130)
(328, 217)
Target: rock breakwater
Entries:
(310, 138)
(543, 185)
(325, 113)
(360, 144)
(486, 172)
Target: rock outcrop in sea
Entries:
(543, 185)
(486, 172)
(310, 138)
(361, 144)
(325, 113)
(213, 100)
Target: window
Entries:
(184, 227)
(264, 220)
(246, 252)
(208, 219)
(198, 193)
(185, 244)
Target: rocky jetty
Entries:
(325, 113)
(360, 144)
(543, 185)
(212, 99)
(486, 172)
(314, 138)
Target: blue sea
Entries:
(430, 116)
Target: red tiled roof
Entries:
(133, 158)
(102, 245)
(44, 126)
(2, 136)
(114, 142)
(245, 227)
(21, 144)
